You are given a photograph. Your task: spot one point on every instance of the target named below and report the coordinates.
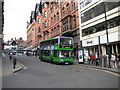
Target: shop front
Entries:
(97, 47)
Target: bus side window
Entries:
(56, 53)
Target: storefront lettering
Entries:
(89, 42)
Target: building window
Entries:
(97, 10)
(52, 9)
(51, 21)
(68, 7)
(54, 18)
(39, 20)
(38, 29)
(63, 11)
(45, 24)
(54, 31)
(57, 5)
(45, 13)
(101, 26)
(57, 16)
(73, 5)
(58, 29)
(84, 3)
(74, 21)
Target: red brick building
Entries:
(51, 19)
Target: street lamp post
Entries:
(106, 27)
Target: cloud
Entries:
(17, 13)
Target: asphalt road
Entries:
(40, 74)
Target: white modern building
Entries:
(99, 26)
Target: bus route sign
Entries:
(65, 46)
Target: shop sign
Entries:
(90, 42)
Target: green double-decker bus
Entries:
(57, 50)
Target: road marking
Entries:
(23, 66)
(116, 74)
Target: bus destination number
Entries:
(66, 46)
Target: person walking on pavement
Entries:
(92, 57)
(104, 62)
(113, 59)
(107, 60)
(10, 57)
(118, 60)
(14, 62)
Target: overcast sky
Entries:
(16, 15)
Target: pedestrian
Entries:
(14, 62)
(10, 57)
(107, 60)
(89, 59)
(118, 60)
(113, 59)
(92, 57)
(104, 57)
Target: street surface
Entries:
(39, 74)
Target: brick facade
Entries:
(51, 19)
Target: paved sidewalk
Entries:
(7, 67)
(115, 70)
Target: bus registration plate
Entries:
(66, 62)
